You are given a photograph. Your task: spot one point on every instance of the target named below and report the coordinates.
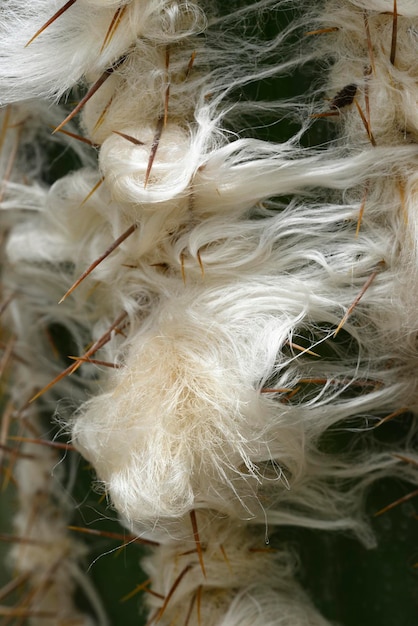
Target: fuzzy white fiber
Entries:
(48, 558)
(184, 415)
(77, 41)
(243, 581)
(241, 327)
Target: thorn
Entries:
(187, 552)
(4, 426)
(94, 361)
(8, 351)
(119, 331)
(366, 92)
(366, 123)
(26, 540)
(183, 271)
(91, 192)
(8, 611)
(394, 33)
(293, 393)
(52, 343)
(392, 415)
(369, 41)
(362, 207)
(171, 592)
(116, 536)
(166, 100)
(26, 403)
(44, 442)
(8, 471)
(37, 593)
(99, 82)
(359, 297)
(154, 593)
(190, 609)
(51, 20)
(101, 258)
(406, 459)
(199, 260)
(137, 589)
(322, 31)
(102, 115)
(136, 142)
(103, 340)
(13, 584)
(6, 303)
(167, 80)
(78, 137)
(142, 587)
(190, 65)
(24, 421)
(154, 148)
(15, 452)
(326, 114)
(301, 348)
(69, 370)
(8, 478)
(225, 556)
(406, 498)
(401, 187)
(197, 541)
(15, 356)
(113, 26)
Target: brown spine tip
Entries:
(51, 20)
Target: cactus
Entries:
(218, 319)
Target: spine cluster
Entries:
(222, 329)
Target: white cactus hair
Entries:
(215, 303)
